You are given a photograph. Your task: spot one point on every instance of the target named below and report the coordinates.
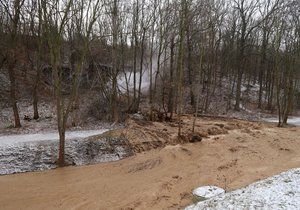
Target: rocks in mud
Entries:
(195, 138)
(221, 125)
(217, 130)
(147, 145)
(190, 137)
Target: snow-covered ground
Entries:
(292, 121)
(52, 136)
(34, 152)
(278, 192)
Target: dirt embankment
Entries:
(161, 178)
(145, 135)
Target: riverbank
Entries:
(161, 178)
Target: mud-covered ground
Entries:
(164, 170)
(34, 152)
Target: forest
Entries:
(186, 51)
(169, 94)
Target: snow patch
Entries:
(208, 191)
(278, 192)
(292, 121)
(53, 136)
(35, 152)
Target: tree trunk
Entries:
(114, 106)
(35, 95)
(13, 99)
(171, 80)
(180, 66)
(190, 68)
(141, 69)
(61, 154)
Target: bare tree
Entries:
(55, 28)
(12, 52)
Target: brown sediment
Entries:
(162, 173)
